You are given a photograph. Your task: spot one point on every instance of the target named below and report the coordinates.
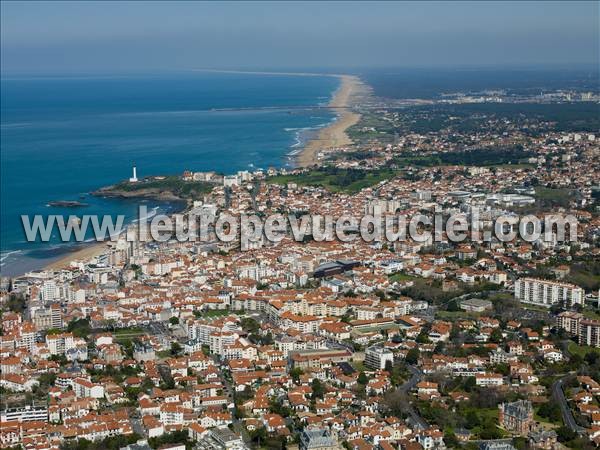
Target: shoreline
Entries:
(334, 135)
(331, 136)
(84, 254)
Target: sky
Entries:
(83, 37)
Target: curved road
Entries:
(410, 384)
(559, 395)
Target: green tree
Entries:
(295, 374)
(450, 439)
(565, 434)
(80, 327)
(472, 420)
(250, 325)
(363, 378)
(412, 357)
(551, 411)
(318, 390)
(176, 348)
(496, 336)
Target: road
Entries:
(229, 392)
(136, 424)
(559, 395)
(406, 387)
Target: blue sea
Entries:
(62, 137)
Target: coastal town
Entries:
(321, 345)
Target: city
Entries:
(141, 341)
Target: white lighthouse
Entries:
(133, 179)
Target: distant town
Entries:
(328, 345)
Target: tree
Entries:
(565, 434)
(551, 411)
(176, 348)
(450, 439)
(496, 336)
(591, 358)
(295, 374)
(490, 431)
(47, 379)
(439, 347)
(363, 378)
(472, 419)
(453, 306)
(174, 320)
(257, 436)
(16, 302)
(423, 337)
(470, 384)
(412, 357)
(318, 390)
(250, 325)
(520, 443)
(147, 385)
(175, 437)
(80, 327)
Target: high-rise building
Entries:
(569, 321)
(586, 330)
(589, 332)
(377, 356)
(547, 293)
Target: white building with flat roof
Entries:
(377, 356)
(547, 293)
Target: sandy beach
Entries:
(84, 254)
(334, 136)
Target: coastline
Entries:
(334, 135)
(331, 136)
(88, 252)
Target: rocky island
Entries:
(67, 204)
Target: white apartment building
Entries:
(489, 379)
(58, 344)
(569, 321)
(377, 356)
(85, 388)
(26, 413)
(547, 293)
(589, 333)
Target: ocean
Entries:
(62, 137)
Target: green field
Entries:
(401, 277)
(455, 315)
(333, 179)
(553, 197)
(212, 313)
(359, 366)
(582, 350)
(127, 334)
(173, 184)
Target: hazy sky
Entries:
(49, 36)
